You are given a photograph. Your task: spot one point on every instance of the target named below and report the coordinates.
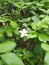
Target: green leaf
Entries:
(24, 19)
(36, 25)
(35, 18)
(32, 34)
(0, 62)
(45, 46)
(46, 59)
(44, 25)
(1, 37)
(43, 37)
(38, 48)
(45, 20)
(17, 4)
(9, 30)
(3, 19)
(11, 59)
(47, 11)
(33, 25)
(13, 24)
(7, 46)
(9, 34)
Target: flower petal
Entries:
(20, 31)
(25, 31)
(22, 35)
(26, 34)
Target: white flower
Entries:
(23, 32)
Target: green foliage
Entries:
(24, 24)
(7, 46)
(11, 59)
(46, 48)
(46, 58)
